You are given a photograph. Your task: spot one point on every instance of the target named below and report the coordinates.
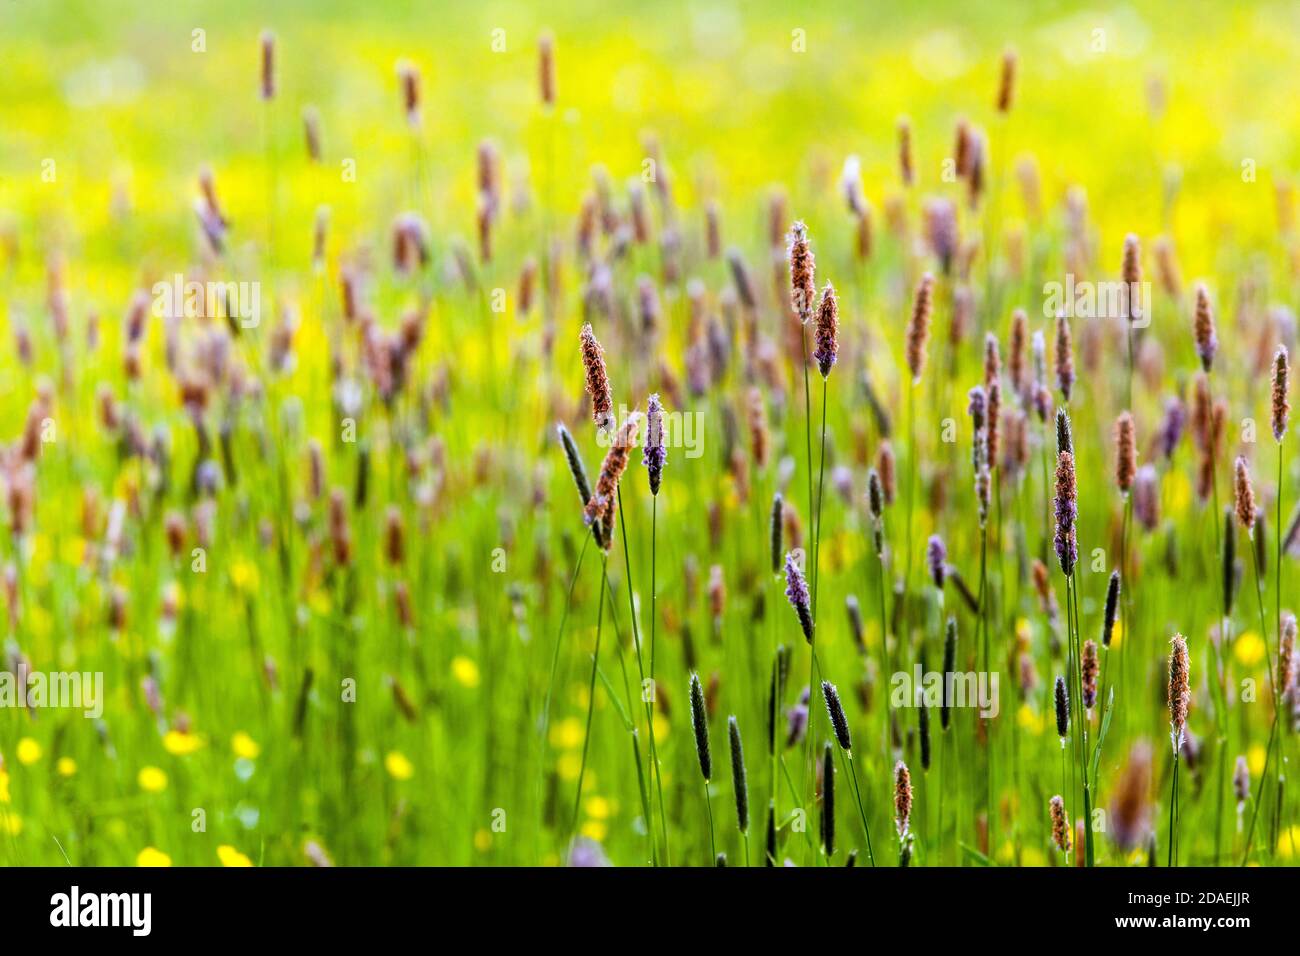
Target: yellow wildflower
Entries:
(465, 671)
(150, 856)
(180, 744)
(152, 780)
(398, 767)
(229, 856)
(244, 746)
(28, 752)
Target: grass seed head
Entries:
(738, 775)
(546, 69)
(1067, 511)
(1207, 342)
(1244, 496)
(1281, 404)
(827, 332)
(1064, 358)
(1060, 824)
(1007, 82)
(1125, 452)
(1180, 695)
(918, 329)
(803, 286)
(654, 454)
(1088, 668)
(700, 724)
(268, 65)
(1111, 611)
(796, 591)
(835, 710)
(828, 800)
(902, 799)
(1130, 809)
(1062, 700)
(593, 361)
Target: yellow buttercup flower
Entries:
(243, 574)
(1255, 757)
(662, 726)
(465, 671)
(66, 766)
(567, 734)
(11, 823)
(229, 856)
(1029, 719)
(398, 767)
(4, 787)
(150, 856)
(244, 746)
(597, 808)
(180, 745)
(152, 780)
(1249, 649)
(1288, 842)
(482, 840)
(569, 765)
(595, 829)
(28, 752)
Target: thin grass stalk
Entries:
(591, 698)
(1272, 733)
(555, 660)
(857, 792)
(636, 641)
(821, 488)
(1173, 814)
(810, 767)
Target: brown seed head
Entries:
(1132, 275)
(1180, 695)
(1088, 668)
(1130, 809)
(885, 465)
(593, 360)
(1125, 452)
(1281, 382)
(902, 798)
(1060, 824)
(1064, 357)
(546, 68)
(1207, 342)
(1245, 496)
(803, 286)
(1286, 656)
(1016, 360)
(905, 151)
(268, 65)
(827, 332)
(918, 329)
(603, 501)
(1007, 83)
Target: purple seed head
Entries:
(936, 556)
(654, 454)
